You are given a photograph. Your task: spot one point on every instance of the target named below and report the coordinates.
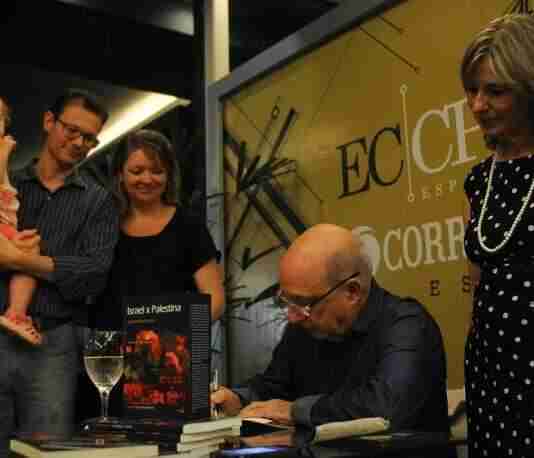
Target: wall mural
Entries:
(370, 131)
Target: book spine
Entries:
(158, 437)
(211, 425)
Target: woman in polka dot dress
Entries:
(498, 76)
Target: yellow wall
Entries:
(398, 71)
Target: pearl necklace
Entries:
(507, 234)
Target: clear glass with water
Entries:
(104, 363)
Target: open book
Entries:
(335, 430)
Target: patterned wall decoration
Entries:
(370, 131)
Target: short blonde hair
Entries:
(508, 43)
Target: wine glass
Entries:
(104, 363)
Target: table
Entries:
(260, 441)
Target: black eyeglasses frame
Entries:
(73, 132)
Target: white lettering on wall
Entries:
(411, 246)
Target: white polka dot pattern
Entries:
(499, 356)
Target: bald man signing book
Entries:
(351, 350)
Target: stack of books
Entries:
(112, 446)
(199, 439)
(180, 438)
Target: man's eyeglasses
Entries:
(73, 132)
(304, 308)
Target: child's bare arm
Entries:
(7, 145)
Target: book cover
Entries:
(167, 356)
(81, 446)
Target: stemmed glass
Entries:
(104, 362)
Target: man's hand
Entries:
(22, 254)
(277, 410)
(227, 400)
(27, 241)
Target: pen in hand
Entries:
(216, 409)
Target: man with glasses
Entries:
(77, 226)
(350, 350)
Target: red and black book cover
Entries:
(167, 357)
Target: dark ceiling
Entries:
(254, 24)
(139, 43)
(118, 48)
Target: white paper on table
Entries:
(358, 427)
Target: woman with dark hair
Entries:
(162, 247)
(498, 77)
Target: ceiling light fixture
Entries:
(137, 115)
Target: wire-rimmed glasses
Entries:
(303, 307)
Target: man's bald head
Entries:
(326, 253)
(319, 259)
